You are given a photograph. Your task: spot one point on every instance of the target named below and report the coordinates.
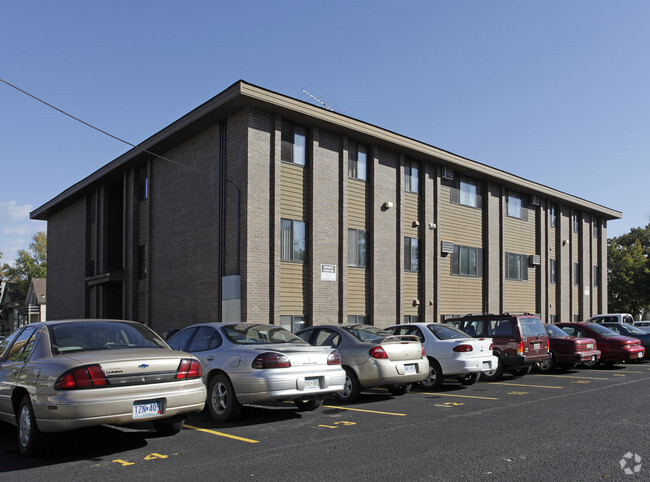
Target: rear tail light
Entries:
(82, 377)
(189, 369)
(334, 358)
(271, 360)
(423, 354)
(520, 348)
(378, 352)
(491, 346)
(463, 348)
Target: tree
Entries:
(30, 263)
(628, 260)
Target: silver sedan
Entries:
(372, 357)
(253, 363)
(63, 375)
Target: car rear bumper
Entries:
(454, 367)
(634, 353)
(377, 373)
(591, 355)
(514, 362)
(72, 409)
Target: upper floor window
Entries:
(553, 269)
(553, 216)
(466, 191)
(467, 261)
(517, 266)
(596, 276)
(356, 248)
(294, 143)
(576, 222)
(576, 274)
(411, 176)
(143, 184)
(292, 242)
(410, 254)
(357, 161)
(516, 207)
(596, 227)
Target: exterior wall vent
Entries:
(447, 247)
(535, 201)
(447, 174)
(534, 260)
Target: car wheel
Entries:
(591, 363)
(469, 379)
(546, 365)
(398, 390)
(29, 436)
(495, 374)
(434, 380)
(567, 366)
(352, 389)
(222, 401)
(168, 429)
(520, 372)
(308, 405)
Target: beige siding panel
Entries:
(411, 293)
(291, 289)
(411, 212)
(459, 224)
(459, 295)
(356, 204)
(520, 295)
(519, 235)
(292, 191)
(357, 291)
(552, 304)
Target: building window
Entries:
(596, 227)
(553, 271)
(467, 261)
(142, 262)
(577, 318)
(356, 248)
(293, 323)
(358, 319)
(410, 254)
(143, 184)
(515, 207)
(357, 160)
(553, 215)
(294, 143)
(411, 318)
(576, 274)
(411, 176)
(553, 318)
(517, 267)
(292, 243)
(596, 276)
(576, 222)
(466, 192)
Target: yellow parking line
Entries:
(462, 396)
(221, 434)
(367, 411)
(521, 385)
(569, 376)
(626, 371)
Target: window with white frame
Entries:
(411, 176)
(357, 161)
(516, 267)
(410, 254)
(515, 206)
(467, 261)
(292, 240)
(294, 143)
(357, 248)
(466, 192)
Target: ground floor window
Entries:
(293, 323)
(358, 319)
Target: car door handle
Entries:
(210, 358)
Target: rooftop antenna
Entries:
(324, 104)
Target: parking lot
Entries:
(576, 425)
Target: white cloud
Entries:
(11, 213)
(16, 229)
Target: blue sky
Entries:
(556, 91)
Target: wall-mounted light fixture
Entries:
(387, 205)
(432, 225)
(416, 302)
(415, 224)
(565, 242)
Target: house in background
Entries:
(261, 207)
(10, 301)
(35, 305)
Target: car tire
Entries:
(398, 390)
(308, 405)
(29, 436)
(591, 363)
(352, 389)
(469, 379)
(546, 365)
(222, 401)
(520, 372)
(495, 374)
(167, 429)
(567, 366)
(435, 378)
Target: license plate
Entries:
(536, 346)
(487, 365)
(593, 358)
(311, 383)
(640, 355)
(409, 369)
(590, 346)
(147, 408)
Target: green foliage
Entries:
(628, 260)
(30, 263)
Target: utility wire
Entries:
(107, 133)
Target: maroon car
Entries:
(567, 351)
(613, 347)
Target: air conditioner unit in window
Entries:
(535, 201)
(534, 260)
(447, 174)
(447, 247)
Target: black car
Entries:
(627, 329)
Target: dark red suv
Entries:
(519, 340)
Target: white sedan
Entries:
(451, 352)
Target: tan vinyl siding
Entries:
(595, 296)
(459, 224)
(552, 304)
(356, 204)
(411, 211)
(519, 238)
(411, 293)
(575, 258)
(357, 291)
(291, 288)
(291, 191)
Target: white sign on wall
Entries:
(328, 272)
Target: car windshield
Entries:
(555, 331)
(245, 334)
(101, 335)
(633, 330)
(532, 327)
(601, 330)
(447, 332)
(367, 333)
